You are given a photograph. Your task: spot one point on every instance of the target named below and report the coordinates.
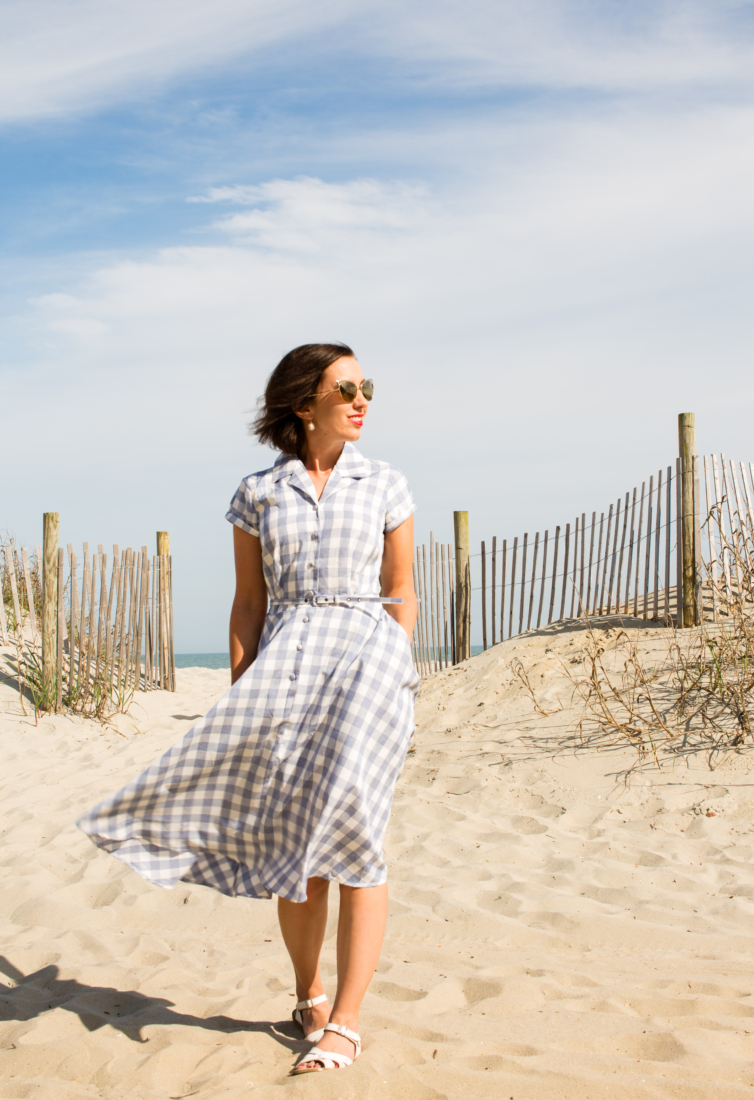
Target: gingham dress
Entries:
(291, 774)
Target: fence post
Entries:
(50, 528)
(687, 451)
(163, 542)
(463, 586)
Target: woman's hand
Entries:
(249, 603)
(396, 575)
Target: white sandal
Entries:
(298, 1019)
(329, 1058)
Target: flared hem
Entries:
(167, 868)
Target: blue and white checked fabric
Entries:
(292, 773)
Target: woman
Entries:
(287, 783)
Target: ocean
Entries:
(222, 660)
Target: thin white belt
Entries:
(343, 601)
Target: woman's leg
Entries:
(303, 927)
(361, 927)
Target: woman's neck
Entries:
(320, 458)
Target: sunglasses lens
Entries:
(348, 390)
(368, 389)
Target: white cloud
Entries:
(62, 56)
(307, 215)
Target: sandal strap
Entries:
(341, 1029)
(311, 1002)
(325, 1056)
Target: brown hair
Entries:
(294, 379)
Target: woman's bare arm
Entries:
(249, 603)
(397, 574)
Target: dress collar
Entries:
(351, 464)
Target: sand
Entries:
(559, 928)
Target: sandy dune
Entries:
(556, 930)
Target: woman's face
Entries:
(335, 419)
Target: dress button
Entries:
(299, 647)
(292, 676)
(306, 618)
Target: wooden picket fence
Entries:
(113, 634)
(625, 561)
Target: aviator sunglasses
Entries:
(348, 390)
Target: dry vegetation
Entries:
(695, 696)
(86, 688)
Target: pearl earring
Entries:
(310, 425)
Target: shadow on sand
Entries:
(125, 1010)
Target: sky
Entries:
(532, 221)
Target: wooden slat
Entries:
(542, 582)
(484, 596)
(668, 528)
(450, 552)
(638, 551)
(575, 559)
(115, 633)
(432, 604)
(503, 578)
(83, 641)
(592, 532)
(621, 554)
(730, 508)
(679, 541)
(724, 556)
(613, 558)
(711, 541)
(30, 596)
(648, 550)
(99, 661)
(493, 601)
(731, 511)
(132, 618)
(91, 634)
(3, 630)
(749, 506)
(523, 584)
(741, 516)
(11, 566)
(122, 632)
(595, 605)
(606, 559)
(581, 568)
(658, 533)
(438, 606)
(170, 622)
(513, 587)
(631, 545)
(565, 570)
(61, 630)
(443, 571)
(698, 608)
(551, 609)
(533, 581)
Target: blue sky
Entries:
(533, 221)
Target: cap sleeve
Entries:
(399, 503)
(242, 512)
